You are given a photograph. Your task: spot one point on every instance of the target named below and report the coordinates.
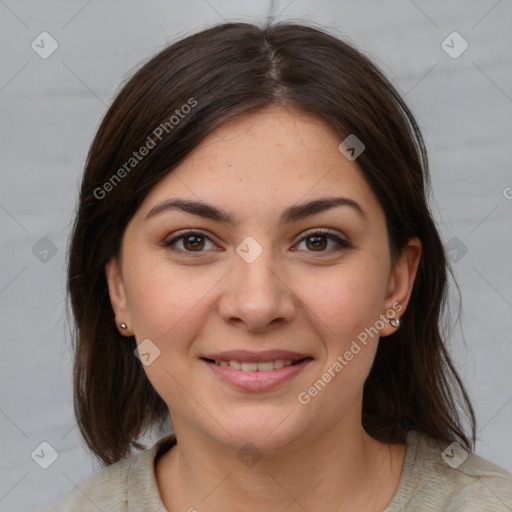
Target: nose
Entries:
(257, 295)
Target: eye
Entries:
(318, 240)
(191, 241)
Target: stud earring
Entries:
(123, 325)
(395, 322)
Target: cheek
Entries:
(347, 299)
(168, 306)
(166, 299)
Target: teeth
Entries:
(249, 367)
(264, 366)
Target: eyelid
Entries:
(323, 231)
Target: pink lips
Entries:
(256, 380)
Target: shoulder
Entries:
(438, 477)
(127, 485)
(105, 490)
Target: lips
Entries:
(256, 371)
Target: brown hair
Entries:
(225, 71)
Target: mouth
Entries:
(262, 366)
(251, 371)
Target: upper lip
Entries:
(255, 357)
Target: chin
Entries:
(273, 433)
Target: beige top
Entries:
(428, 483)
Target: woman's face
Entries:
(255, 289)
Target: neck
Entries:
(342, 466)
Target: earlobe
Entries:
(400, 284)
(117, 295)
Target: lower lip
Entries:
(256, 380)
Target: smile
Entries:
(264, 366)
(256, 371)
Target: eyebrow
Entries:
(288, 216)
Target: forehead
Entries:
(270, 158)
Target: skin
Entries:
(314, 300)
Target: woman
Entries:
(254, 256)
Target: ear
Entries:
(117, 294)
(400, 283)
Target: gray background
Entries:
(51, 108)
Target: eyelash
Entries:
(342, 243)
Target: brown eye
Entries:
(189, 242)
(193, 242)
(319, 240)
(315, 242)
